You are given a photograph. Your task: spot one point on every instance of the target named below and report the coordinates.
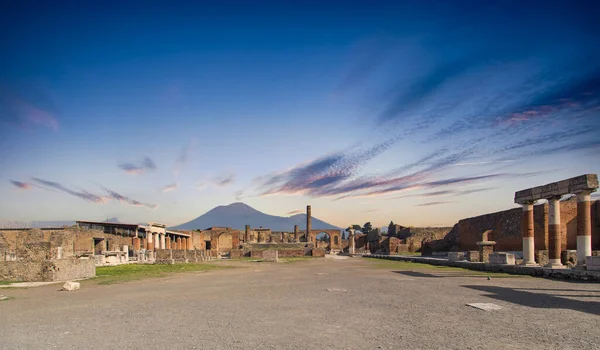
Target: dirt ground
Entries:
(356, 303)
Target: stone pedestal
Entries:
(485, 249)
(456, 256)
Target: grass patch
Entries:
(5, 283)
(132, 272)
(415, 266)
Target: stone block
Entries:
(502, 259)
(71, 286)
(593, 263)
(541, 257)
(568, 257)
(318, 252)
(456, 256)
(473, 256)
(270, 255)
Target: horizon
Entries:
(422, 114)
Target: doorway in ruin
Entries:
(225, 244)
(99, 246)
(323, 240)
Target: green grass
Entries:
(421, 267)
(132, 272)
(4, 283)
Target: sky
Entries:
(420, 112)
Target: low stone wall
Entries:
(179, 256)
(318, 253)
(502, 259)
(456, 256)
(291, 253)
(164, 256)
(236, 253)
(573, 274)
(47, 270)
(256, 254)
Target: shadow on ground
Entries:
(538, 300)
(438, 274)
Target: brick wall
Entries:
(318, 252)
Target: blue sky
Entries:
(418, 112)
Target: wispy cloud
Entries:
(87, 196)
(431, 204)
(184, 155)
(124, 199)
(293, 212)
(21, 185)
(225, 180)
(145, 165)
(16, 111)
(170, 187)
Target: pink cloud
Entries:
(21, 185)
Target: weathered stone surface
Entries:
(456, 256)
(502, 259)
(473, 256)
(71, 286)
(572, 185)
(593, 263)
(270, 255)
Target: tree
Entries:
(367, 228)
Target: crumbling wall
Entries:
(47, 270)
(318, 253)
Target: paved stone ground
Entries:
(288, 306)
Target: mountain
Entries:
(238, 215)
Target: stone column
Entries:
(149, 241)
(136, 243)
(178, 244)
(351, 239)
(168, 242)
(308, 222)
(554, 239)
(156, 241)
(584, 227)
(296, 231)
(247, 234)
(163, 244)
(527, 228)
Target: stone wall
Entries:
(47, 270)
(318, 252)
(506, 227)
(291, 253)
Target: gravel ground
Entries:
(321, 303)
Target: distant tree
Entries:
(367, 228)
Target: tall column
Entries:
(178, 244)
(163, 244)
(156, 241)
(149, 241)
(308, 222)
(351, 239)
(554, 241)
(190, 244)
(247, 234)
(168, 243)
(527, 224)
(584, 227)
(296, 231)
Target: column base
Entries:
(555, 264)
(529, 263)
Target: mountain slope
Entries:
(238, 215)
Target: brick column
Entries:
(247, 234)
(168, 242)
(136, 243)
(178, 244)
(308, 222)
(584, 227)
(554, 239)
(527, 235)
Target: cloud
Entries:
(87, 196)
(430, 204)
(20, 113)
(239, 196)
(293, 212)
(170, 187)
(21, 185)
(138, 168)
(324, 175)
(224, 181)
(451, 192)
(183, 157)
(123, 199)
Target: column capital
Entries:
(554, 198)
